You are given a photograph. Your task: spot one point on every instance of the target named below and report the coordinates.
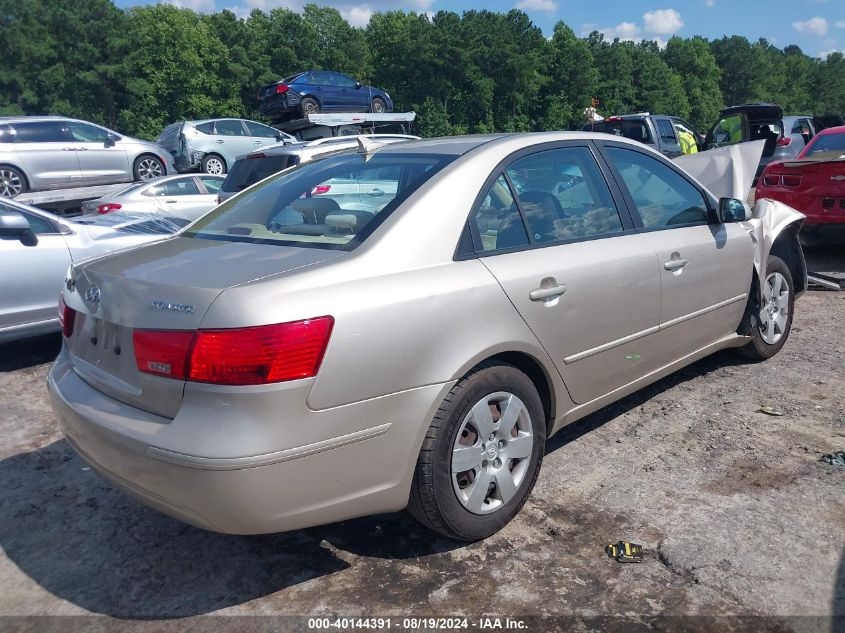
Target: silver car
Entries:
(186, 196)
(36, 249)
(43, 153)
(266, 161)
(213, 145)
(291, 360)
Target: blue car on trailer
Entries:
(316, 91)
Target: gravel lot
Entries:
(736, 512)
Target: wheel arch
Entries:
(145, 154)
(535, 371)
(218, 155)
(775, 232)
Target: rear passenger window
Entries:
(563, 195)
(181, 187)
(498, 220)
(663, 197)
(206, 128)
(41, 132)
(229, 127)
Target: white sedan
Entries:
(36, 249)
(187, 196)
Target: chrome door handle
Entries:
(220, 140)
(675, 264)
(540, 294)
(171, 201)
(81, 149)
(69, 149)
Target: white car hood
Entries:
(727, 172)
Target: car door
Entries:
(32, 274)
(705, 267)
(550, 228)
(182, 197)
(728, 130)
(101, 159)
(260, 135)
(353, 97)
(670, 145)
(47, 154)
(231, 140)
(327, 91)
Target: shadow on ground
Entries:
(83, 541)
(29, 352)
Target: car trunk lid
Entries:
(165, 286)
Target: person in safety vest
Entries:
(688, 142)
(729, 131)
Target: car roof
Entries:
(35, 118)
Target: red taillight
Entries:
(316, 191)
(108, 208)
(67, 317)
(791, 180)
(163, 353)
(247, 356)
(282, 89)
(771, 180)
(783, 141)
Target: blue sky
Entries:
(817, 26)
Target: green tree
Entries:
(572, 80)
(694, 62)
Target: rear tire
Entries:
(379, 106)
(476, 470)
(12, 182)
(147, 167)
(213, 164)
(308, 106)
(771, 313)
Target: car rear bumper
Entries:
(362, 465)
(812, 206)
(278, 104)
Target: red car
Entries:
(814, 182)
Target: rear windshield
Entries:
(170, 136)
(827, 146)
(330, 203)
(636, 130)
(248, 171)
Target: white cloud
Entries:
(203, 6)
(710, 3)
(662, 21)
(813, 26)
(358, 15)
(537, 5)
(839, 24)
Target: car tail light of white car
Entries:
(108, 208)
(241, 356)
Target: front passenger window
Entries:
(662, 196)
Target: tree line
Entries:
(138, 69)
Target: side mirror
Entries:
(111, 139)
(357, 84)
(732, 210)
(15, 225)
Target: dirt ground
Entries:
(735, 510)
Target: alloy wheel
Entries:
(149, 168)
(774, 313)
(10, 183)
(492, 452)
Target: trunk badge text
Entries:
(92, 295)
(172, 307)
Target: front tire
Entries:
(771, 317)
(379, 106)
(213, 164)
(12, 182)
(147, 167)
(481, 454)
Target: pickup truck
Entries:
(656, 130)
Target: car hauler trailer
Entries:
(321, 125)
